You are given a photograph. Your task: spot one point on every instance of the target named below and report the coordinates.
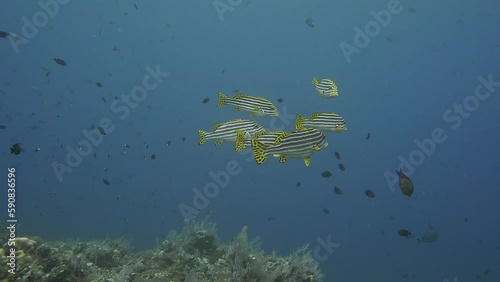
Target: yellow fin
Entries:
(217, 125)
(283, 135)
(222, 99)
(240, 140)
(315, 115)
(239, 96)
(218, 142)
(236, 109)
(258, 150)
(283, 159)
(316, 148)
(315, 81)
(299, 122)
(202, 133)
(307, 161)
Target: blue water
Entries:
(399, 87)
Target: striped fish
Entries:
(325, 87)
(256, 106)
(227, 131)
(326, 122)
(266, 137)
(300, 144)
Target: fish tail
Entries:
(299, 122)
(315, 81)
(240, 140)
(258, 150)
(202, 134)
(222, 99)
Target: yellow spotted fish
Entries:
(300, 144)
(256, 106)
(325, 87)
(266, 137)
(326, 122)
(227, 131)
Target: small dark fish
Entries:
(223, 70)
(326, 174)
(405, 183)
(280, 100)
(16, 149)
(326, 211)
(116, 49)
(153, 157)
(105, 181)
(270, 218)
(368, 136)
(2, 126)
(168, 142)
(412, 10)
(338, 191)
(370, 193)
(98, 84)
(183, 139)
(341, 167)
(4, 34)
(101, 130)
(337, 155)
(404, 233)
(135, 6)
(205, 100)
(310, 22)
(60, 62)
(298, 184)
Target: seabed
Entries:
(193, 255)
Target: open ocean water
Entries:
(101, 103)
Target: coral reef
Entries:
(193, 255)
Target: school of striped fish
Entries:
(307, 139)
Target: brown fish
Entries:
(370, 193)
(338, 191)
(310, 22)
(404, 233)
(60, 62)
(337, 155)
(326, 174)
(405, 183)
(341, 167)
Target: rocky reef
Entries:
(194, 255)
